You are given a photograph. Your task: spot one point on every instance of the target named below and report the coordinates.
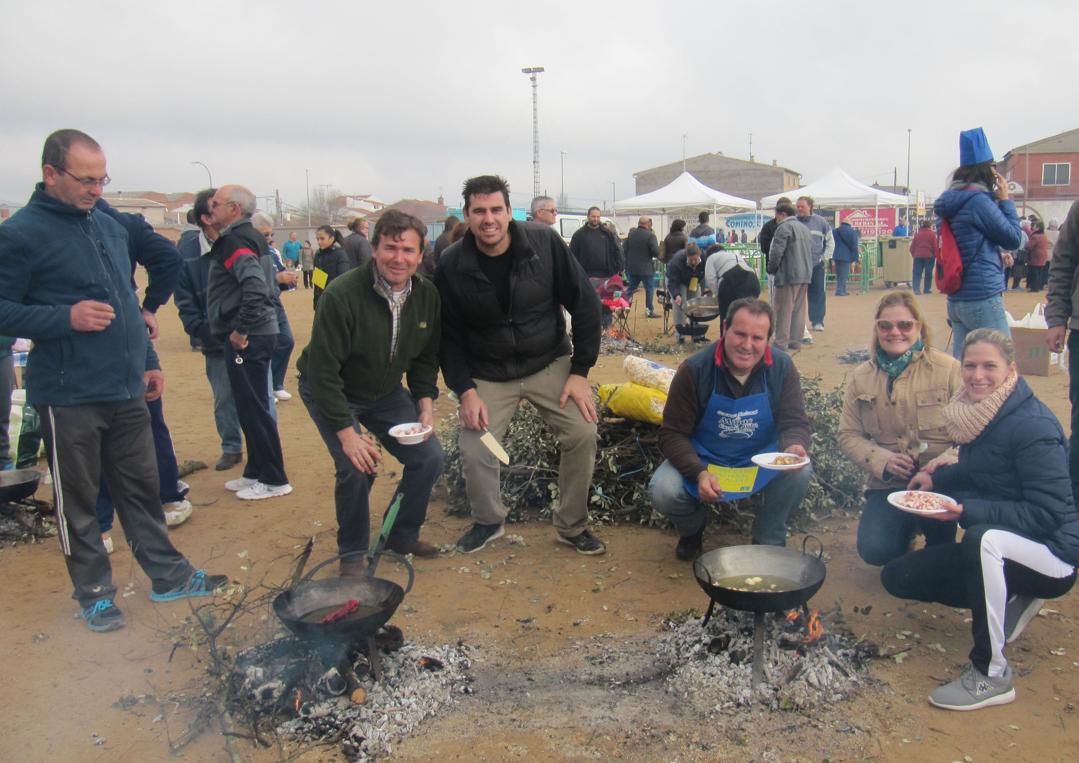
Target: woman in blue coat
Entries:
(1021, 539)
(984, 222)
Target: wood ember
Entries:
(291, 687)
(28, 521)
(711, 666)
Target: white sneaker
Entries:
(261, 490)
(177, 512)
(282, 394)
(106, 540)
(240, 483)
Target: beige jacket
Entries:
(874, 425)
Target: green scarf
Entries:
(895, 366)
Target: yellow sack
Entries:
(634, 401)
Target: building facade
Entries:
(739, 177)
(1042, 175)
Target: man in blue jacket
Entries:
(846, 252)
(65, 282)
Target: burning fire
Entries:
(814, 628)
(296, 703)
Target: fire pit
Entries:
(759, 579)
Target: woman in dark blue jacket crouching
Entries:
(1021, 539)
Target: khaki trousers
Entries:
(576, 436)
(790, 310)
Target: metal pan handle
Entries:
(310, 573)
(401, 560)
(820, 552)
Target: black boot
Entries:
(689, 546)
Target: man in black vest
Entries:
(504, 340)
(596, 247)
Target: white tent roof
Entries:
(838, 189)
(683, 192)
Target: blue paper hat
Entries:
(974, 148)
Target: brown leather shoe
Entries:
(228, 460)
(415, 547)
(352, 567)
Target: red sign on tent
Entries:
(870, 222)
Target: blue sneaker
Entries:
(103, 616)
(199, 584)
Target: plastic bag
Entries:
(1036, 319)
(634, 401)
(648, 374)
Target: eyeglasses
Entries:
(86, 182)
(216, 204)
(903, 326)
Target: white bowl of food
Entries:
(412, 433)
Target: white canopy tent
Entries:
(838, 189)
(684, 192)
(683, 196)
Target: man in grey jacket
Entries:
(823, 246)
(1062, 313)
(791, 266)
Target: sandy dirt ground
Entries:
(536, 621)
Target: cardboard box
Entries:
(1031, 353)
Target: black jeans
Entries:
(885, 532)
(967, 575)
(282, 350)
(816, 297)
(422, 462)
(1073, 396)
(265, 462)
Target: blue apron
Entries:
(730, 433)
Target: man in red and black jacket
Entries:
(241, 304)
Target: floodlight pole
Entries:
(908, 180)
(532, 71)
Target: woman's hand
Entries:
(901, 465)
(920, 481)
(944, 459)
(950, 515)
(1000, 186)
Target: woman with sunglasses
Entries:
(892, 423)
(1021, 535)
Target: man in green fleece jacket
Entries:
(374, 325)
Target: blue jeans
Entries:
(885, 532)
(689, 516)
(816, 297)
(649, 284)
(964, 317)
(842, 270)
(228, 424)
(923, 272)
(283, 351)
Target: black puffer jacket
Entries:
(1015, 475)
(334, 262)
(480, 341)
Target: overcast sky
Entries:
(410, 98)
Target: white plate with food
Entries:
(780, 462)
(921, 502)
(412, 433)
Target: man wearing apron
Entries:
(732, 400)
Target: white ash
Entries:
(719, 679)
(407, 695)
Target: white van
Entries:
(568, 223)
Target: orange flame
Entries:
(296, 702)
(814, 627)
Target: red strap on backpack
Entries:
(949, 261)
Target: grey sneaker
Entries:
(1018, 612)
(479, 536)
(973, 691)
(586, 543)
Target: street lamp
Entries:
(908, 179)
(307, 185)
(532, 71)
(208, 175)
(562, 196)
(613, 196)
